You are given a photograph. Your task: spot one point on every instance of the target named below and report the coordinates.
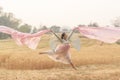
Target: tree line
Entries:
(9, 20)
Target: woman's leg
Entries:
(72, 65)
(101, 43)
(44, 52)
(47, 52)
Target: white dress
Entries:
(61, 53)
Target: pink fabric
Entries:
(105, 34)
(31, 40)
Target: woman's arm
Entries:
(57, 37)
(69, 36)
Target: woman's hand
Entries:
(75, 28)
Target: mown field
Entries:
(93, 62)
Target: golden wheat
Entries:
(13, 56)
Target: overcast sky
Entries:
(63, 12)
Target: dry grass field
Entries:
(93, 62)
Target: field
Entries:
(93, 62)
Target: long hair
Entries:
(62, 35)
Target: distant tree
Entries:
(116, 22)
(34, 30)
(65, 30)
(55, 28)
(81, 25)
(94, 24)
(1, 11)
(8, 19)
(4, 36)
(25, 28)
(43, 27)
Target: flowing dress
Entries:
(61, 53)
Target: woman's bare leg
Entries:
(72, 65)
(101, 43)
(43, 52)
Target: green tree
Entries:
(94, 24)
(43, 27)
(8, 19)
(25, 28)
(116, 22)
(34, 30)
(1, 10)
(55, 28)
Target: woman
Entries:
(61, 52)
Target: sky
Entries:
(64, 13)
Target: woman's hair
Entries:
(62, 35)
